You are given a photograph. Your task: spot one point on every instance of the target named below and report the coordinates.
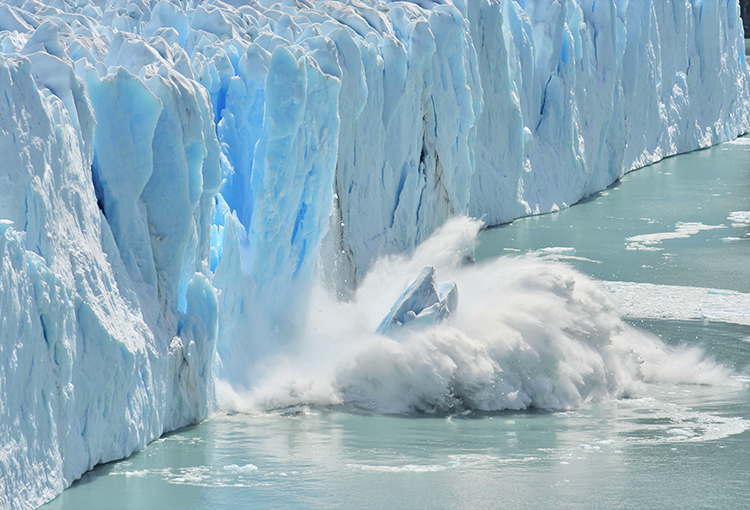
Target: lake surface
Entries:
(683, 221)
(671, 241)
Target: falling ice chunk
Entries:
(423, 303)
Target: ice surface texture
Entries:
(109, 320)
(423, 302)
(175, 172)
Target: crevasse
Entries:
(176, 174)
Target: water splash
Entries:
(527, 333)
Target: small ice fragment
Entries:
(681, 432)
(247, 468)
(588, 447)
(558, 250)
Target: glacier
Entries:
(177, 175)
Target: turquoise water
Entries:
(636, 453)
(669, 446)
(701, 190)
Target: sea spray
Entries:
(527, 333)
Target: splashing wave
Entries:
(527, 333)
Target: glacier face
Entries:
(593, 90)
(109, 320)
(176, 174)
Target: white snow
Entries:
(175, 174)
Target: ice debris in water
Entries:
(247, 468)
(425, 302)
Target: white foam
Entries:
(527, 333)
(739, 141)
(200, 476)
(408, 468)
(670, 422)
(557, 250)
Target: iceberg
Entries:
(176, 175)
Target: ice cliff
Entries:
(175, 175)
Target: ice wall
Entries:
(108, 318)
(578, 93)
(369, 130)
(175, 174)
(496, 109)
